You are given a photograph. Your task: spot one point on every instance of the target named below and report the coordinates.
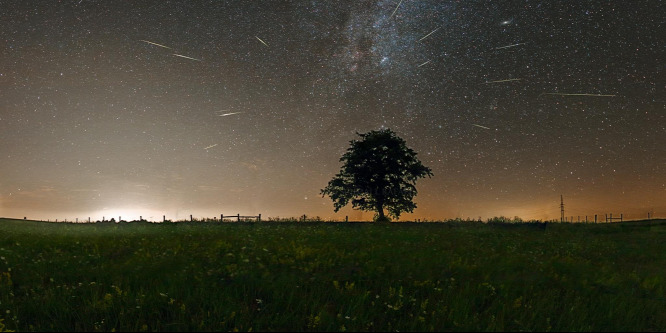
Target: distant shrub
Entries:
(504, 219)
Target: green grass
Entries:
(332, 277)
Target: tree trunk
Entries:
(380, 210)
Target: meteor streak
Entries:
(396, 9)
(432, 32)
(186, 57)
(484, 127)
(160, 45)
(228, 114)
(592, 95)
(423, 63)
(508, 46)
(262, 42)
(211, 146)
(499, 81)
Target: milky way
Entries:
(223, 107)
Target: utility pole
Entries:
(561, 208)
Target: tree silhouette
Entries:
(378, 172)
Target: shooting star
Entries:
(211, 146)
(432, 32)
(484, 127)
(590, 95)
(508, 46)
(396, 9)
(424, 63)
(262, 42)
(228, 114)
(149, 42)
(186, 57)
(500, 81)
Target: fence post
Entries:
(621, 217)
(259, 218)
(221, 217)
(346, 218)
(238, 217)
(163, 218)
(190, 217)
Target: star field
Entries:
(207, 107)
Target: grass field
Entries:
(332, 276)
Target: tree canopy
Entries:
(378, 172)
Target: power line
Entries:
(561, 208)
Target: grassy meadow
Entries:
(278, 276)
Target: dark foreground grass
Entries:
(333, 277)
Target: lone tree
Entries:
(379, 172)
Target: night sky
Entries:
(128, 108)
